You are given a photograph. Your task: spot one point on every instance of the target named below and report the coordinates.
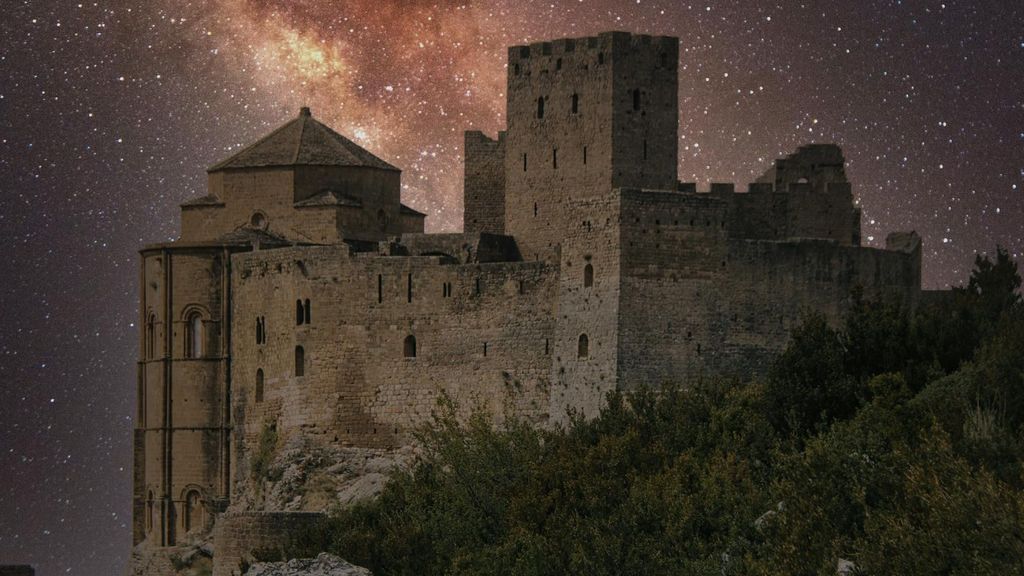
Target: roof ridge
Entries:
(347, 143)
(302, 130)
(273, 133)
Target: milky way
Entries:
(111, 111)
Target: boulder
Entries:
(323, 565)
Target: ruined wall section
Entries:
(484, 184)
(827, 213)
(239, 534)
(696, 302)
(479, 330)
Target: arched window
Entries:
(259, 385)
(409, 346)
(306, 309)
(588, 276)
(194, 335)
(193, 511)
(259, 331)
(300, 361)
(151, 336)
(583, 350)
(540, 107)
(575, 103)
(300, 313)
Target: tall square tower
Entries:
(585, 116)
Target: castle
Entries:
(304, 296)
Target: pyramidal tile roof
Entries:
(302, 142)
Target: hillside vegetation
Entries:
(891, 444)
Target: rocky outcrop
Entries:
(194, 558)
(307, 476)
(323, 565)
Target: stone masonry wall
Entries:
(239, 534)
(480, 330)
(484, 184)
(697, 303)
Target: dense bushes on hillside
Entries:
(894, 441)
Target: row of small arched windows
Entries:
(194, 511)
(193, 339)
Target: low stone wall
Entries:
(237, 534)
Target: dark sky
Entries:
(110, 112)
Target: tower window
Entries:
(478, 287)
(194, 335)
(300, 313)
(151, 336)
(300, 361)
(534, 209)
(540, 107)
(583, 349)
(380, 288)
(588, 276)
(575, 103)
(193, 511)
(261, 330)
(546, 346)
(485, 349)
(305, 307)
(409, 289)
(524, 161)
(409, 346)
(636, 99)
(554, 158)
(584, 155)
(259, 385)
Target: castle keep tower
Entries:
(585, 116)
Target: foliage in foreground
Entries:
(887, 442)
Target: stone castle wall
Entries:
(484, 184)
(480, 334)
(239, 534)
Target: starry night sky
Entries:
(111, 111)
